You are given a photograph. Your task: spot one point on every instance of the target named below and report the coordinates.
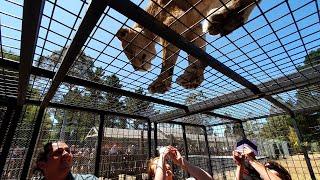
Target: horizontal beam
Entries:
(222, 116)
(306, 77)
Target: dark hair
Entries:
(283, 173)
(42, 157)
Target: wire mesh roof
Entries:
(270, 51)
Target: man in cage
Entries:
(55, 162)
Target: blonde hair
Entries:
(151, 162)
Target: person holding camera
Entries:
(248, 168)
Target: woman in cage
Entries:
(249, 168)
(55, 162)
(159, 169)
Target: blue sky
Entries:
(258, 62)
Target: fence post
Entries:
(149, 138)
(98, 152)
(185, 142)
(32, 145)
(305, 153)
(244, 136)
(9, 138)
(155, 137)
(208, 149)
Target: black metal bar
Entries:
(304, 150)
(155, 138)
(280, 105)
(185, 141)
(32, 145)
(9, 138)
(98, 152)
(141, 17)
(242, 130)
(182, 123)
(5, 123)
(208, 149)
(32, 11)
(222, 116)
(88, 109)
(88, 23)
(149, 139)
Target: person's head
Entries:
(278, 170)
(55, 160)
(152, 166)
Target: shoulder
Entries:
(83, 176)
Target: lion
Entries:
(139, 43)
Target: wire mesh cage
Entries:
(117, 80)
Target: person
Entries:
(159, 169)
(249, 168)
(55, 162)
(113, 150)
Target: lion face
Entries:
(139, 55)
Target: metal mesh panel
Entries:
(124, 148)
(277, 140)
(198, 154)
(222, 140)
(20, 142)
(171, 134)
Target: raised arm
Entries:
(264, 172)
(194, 171)
(239, 160)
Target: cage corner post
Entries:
(208, 149)
(99, 144)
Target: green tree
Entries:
(138, 107)
(9, 55)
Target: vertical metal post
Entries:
(98, 152)
(305, 153)
(5, 123)
(185, 141)
(149, 138)
(244, 136)
(155, 137)
(33, 142)
(9, 138)
(208, 149)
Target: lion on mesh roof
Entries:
(139, 43)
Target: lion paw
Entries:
(190, 80)
(160, 85)
(223, 22)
